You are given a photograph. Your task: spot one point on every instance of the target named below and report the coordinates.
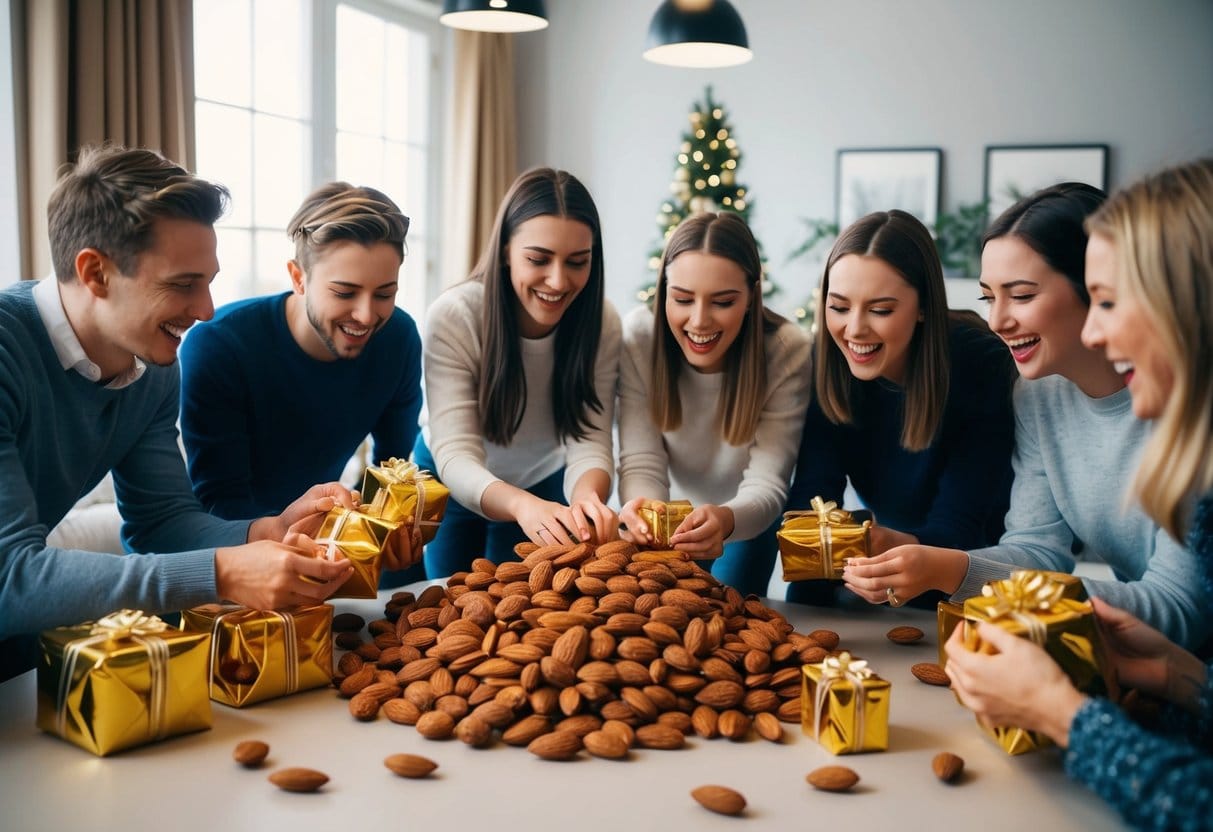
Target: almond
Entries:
(357, 680)
(625, 732)
(561, 621)
(947, 766)
(526, 729)
(494, 713)
(615, 547)
(579, 724)
(904, 635)
(565, 580)
(640, 703)
(931, 674)
(626, 623)
(436, 725)
(606, 744)
(734, 724)
(521, 653)
(250, 753)
(602, 644)
(452, 704)
(704, 720)
(401, 711)
(789, 711)
(659, 736)
(678, 720)
(558, 745)
(572, 646)
(347, 622)
(721, 694)
(298, 779)
(413, 766)
(827, 639)
(557, 673)
(768, 727)
(602, 672)
(719, 799)
(474, 731)
(570, 701)
(364, 707)
(573, 556)
(832, 778)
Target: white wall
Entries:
(957, 74)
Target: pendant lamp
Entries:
(494, 15)
(697, 33)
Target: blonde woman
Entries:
(713, 388)
(1150, 276)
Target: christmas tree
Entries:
(705, 179)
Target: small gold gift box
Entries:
(397, 490)
(1035, 605)
(360, 538)
(122, 681)
(263, 654)
(845, 706)
(663, 519)
(816, 544)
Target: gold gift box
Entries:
(122, 681)
(815, 544)
(845, 706)
(397, 490)
(360, 538)
(663, 519)
(263, 654)
(1039, 606)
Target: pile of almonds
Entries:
(574, 648)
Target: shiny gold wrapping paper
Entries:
(816, 544)
(845, 706)
(1038, 606)
(257, 655)
(361, 538)
(125, 680)
(397, 490)
(663, 519)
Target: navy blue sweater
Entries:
(262, 421)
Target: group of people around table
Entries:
(1077, 423)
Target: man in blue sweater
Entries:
(281, 390)
(88, 386)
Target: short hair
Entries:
(502, 391)
(338, 212)
(1050, 222)
(111, 198)
(900, 240)
(1161, 229)
(744, 388)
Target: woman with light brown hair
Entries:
(713, 388)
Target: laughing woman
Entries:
(1076, 440)
(913, 402)
(521, 364)
(713, 389)
(1150, 276)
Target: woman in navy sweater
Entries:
(1150, 276)
(913, 402)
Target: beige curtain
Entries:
(483, 157)
(100, 70)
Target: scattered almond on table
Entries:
(947, 766)
(904, 635)
(250, 753)
(298, 779)
(832, 778)
(931, 674)
(412, 766)
(719, 799)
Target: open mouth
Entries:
(174, 331)
(354, 332)
(863, 353)
(1022, 348)
(701, 343)
(548, 299)
(1125, 369)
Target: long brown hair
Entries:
(503, 395)
(744, 389)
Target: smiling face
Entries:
(871, 313)
(344, 299)
(707, 299)
(549, 264)
(1033, 309)
(1120, 326)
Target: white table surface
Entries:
(191, 783)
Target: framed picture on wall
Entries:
(1016, 170)
(878, 179)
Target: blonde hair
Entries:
(744, 389)
(1162, 231)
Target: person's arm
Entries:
(215, 414)
(396, 429)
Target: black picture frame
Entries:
(882, 178)
(1016, 170)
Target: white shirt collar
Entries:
(67, 346)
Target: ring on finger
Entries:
(892, 598)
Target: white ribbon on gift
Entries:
(839, 669)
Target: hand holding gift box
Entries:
(663, 517)
(124, 680)
(399, 491)
(845, 706)
(815, 544)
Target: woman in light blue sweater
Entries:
(1150, 275)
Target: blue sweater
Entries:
(1164, 780)
(262, 420)
(59, 435)
(955, 492)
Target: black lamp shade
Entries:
(494, 15)
(713, 36)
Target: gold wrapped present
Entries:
(1035, 605)
(663, 519)
(397, 490)
(360, 538)
(816, 544)
(124, 680)
(845, 706)
(257, 655)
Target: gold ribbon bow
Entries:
(121, 626)
(828, 515)
(398, 471)
(838, 670)
(1023, 597)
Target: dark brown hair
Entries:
(339, 211)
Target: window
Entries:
(294, 93)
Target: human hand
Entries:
(883, 538)
(305, 514)
(403, 547)
(702, 533)
(595, 519)
(270, 575)
(546, 522)
(1019, 685)
(1145, 659)
(907, 570)
(634, 530)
